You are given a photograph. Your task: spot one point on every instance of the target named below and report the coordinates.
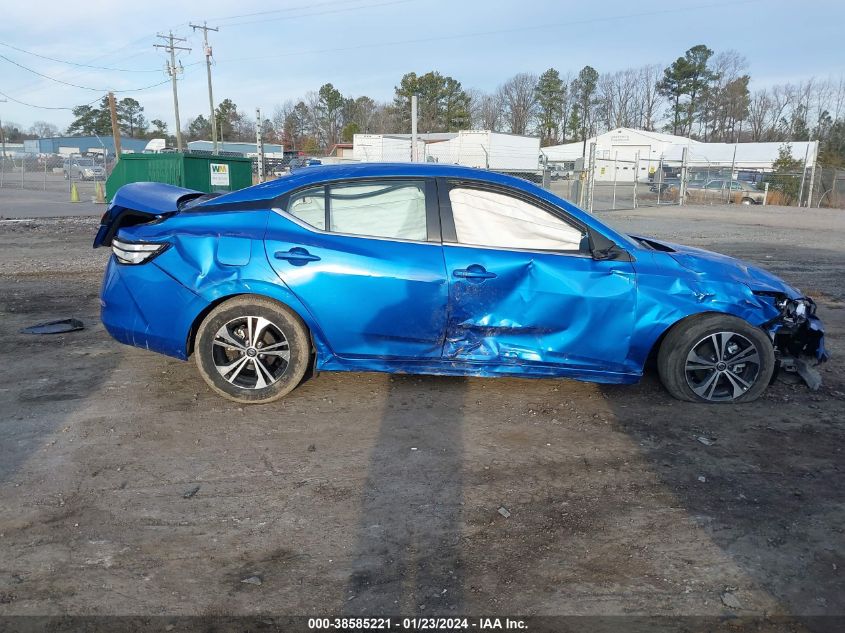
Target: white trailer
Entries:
(488, 150)
(369, 148)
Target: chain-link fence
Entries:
(53, 172)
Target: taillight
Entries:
(136, 252)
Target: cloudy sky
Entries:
(268, 52)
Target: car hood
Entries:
(722, 267)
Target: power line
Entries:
(40, 107)
(441, 38)
(286, 10)
(79, 65)
(73, 85)
(328, 12)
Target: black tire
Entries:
(741, 375)
(278, 375)
(747, 201)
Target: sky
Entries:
(269, 52)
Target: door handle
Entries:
(297, 256)
(474, 272)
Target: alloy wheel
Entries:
(722, 366)
(251, 352)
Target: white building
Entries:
(472, 148)
(623, 151)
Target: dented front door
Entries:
(510, 306)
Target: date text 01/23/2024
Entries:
(415, 624)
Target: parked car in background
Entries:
(433, 269)
(726, 191)
(83, 169)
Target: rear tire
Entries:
(716, 358)
(252, 350)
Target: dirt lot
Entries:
(368, 494)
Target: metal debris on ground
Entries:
(705, 440)
(255, 579)
(808, 373)
(504, 511)
(59, 326)
(191, 492)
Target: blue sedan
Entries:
(433, 269)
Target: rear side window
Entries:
(391, 209)
(310, 207)
(488, 218)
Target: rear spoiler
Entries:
(140, 203)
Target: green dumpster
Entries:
(206, 173)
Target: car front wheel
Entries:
(716, 358)
(252, 350)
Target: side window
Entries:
(487, 218)
(392, 209)
(310, 207)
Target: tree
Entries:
(329, 115)
(43, 129)
(199, 128)
(486, 110)
(90, 120)
(520, 101)
(130, 115)
(683, 83)
(584, 90)
(349, 132)
(550, 95)
(159, 128)
(787, 180)
(442, 104)
(227, 118)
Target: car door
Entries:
(365, 258)
(524, 288)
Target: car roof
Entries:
(345, 171)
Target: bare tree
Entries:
(518, 94)
(759, 114)
(43, 129)
(618, 98)
(487, 110)
(649, 100)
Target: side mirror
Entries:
(602, 249)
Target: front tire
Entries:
(716, 358)
(252, 350)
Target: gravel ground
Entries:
(367, 493)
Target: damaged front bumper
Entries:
(798, 338)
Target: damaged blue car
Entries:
(433, 269)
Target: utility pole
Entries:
(205, 29)
(3, 154)
(259, 144)
(414, 157)
(2, 135)
(115, 129)
(171, 48)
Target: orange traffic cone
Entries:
(74, 192)
(100, 195)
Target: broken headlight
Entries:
(136, 252)
(796, 310)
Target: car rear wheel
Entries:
(747, 201)
(252, 350)
(716, 358)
